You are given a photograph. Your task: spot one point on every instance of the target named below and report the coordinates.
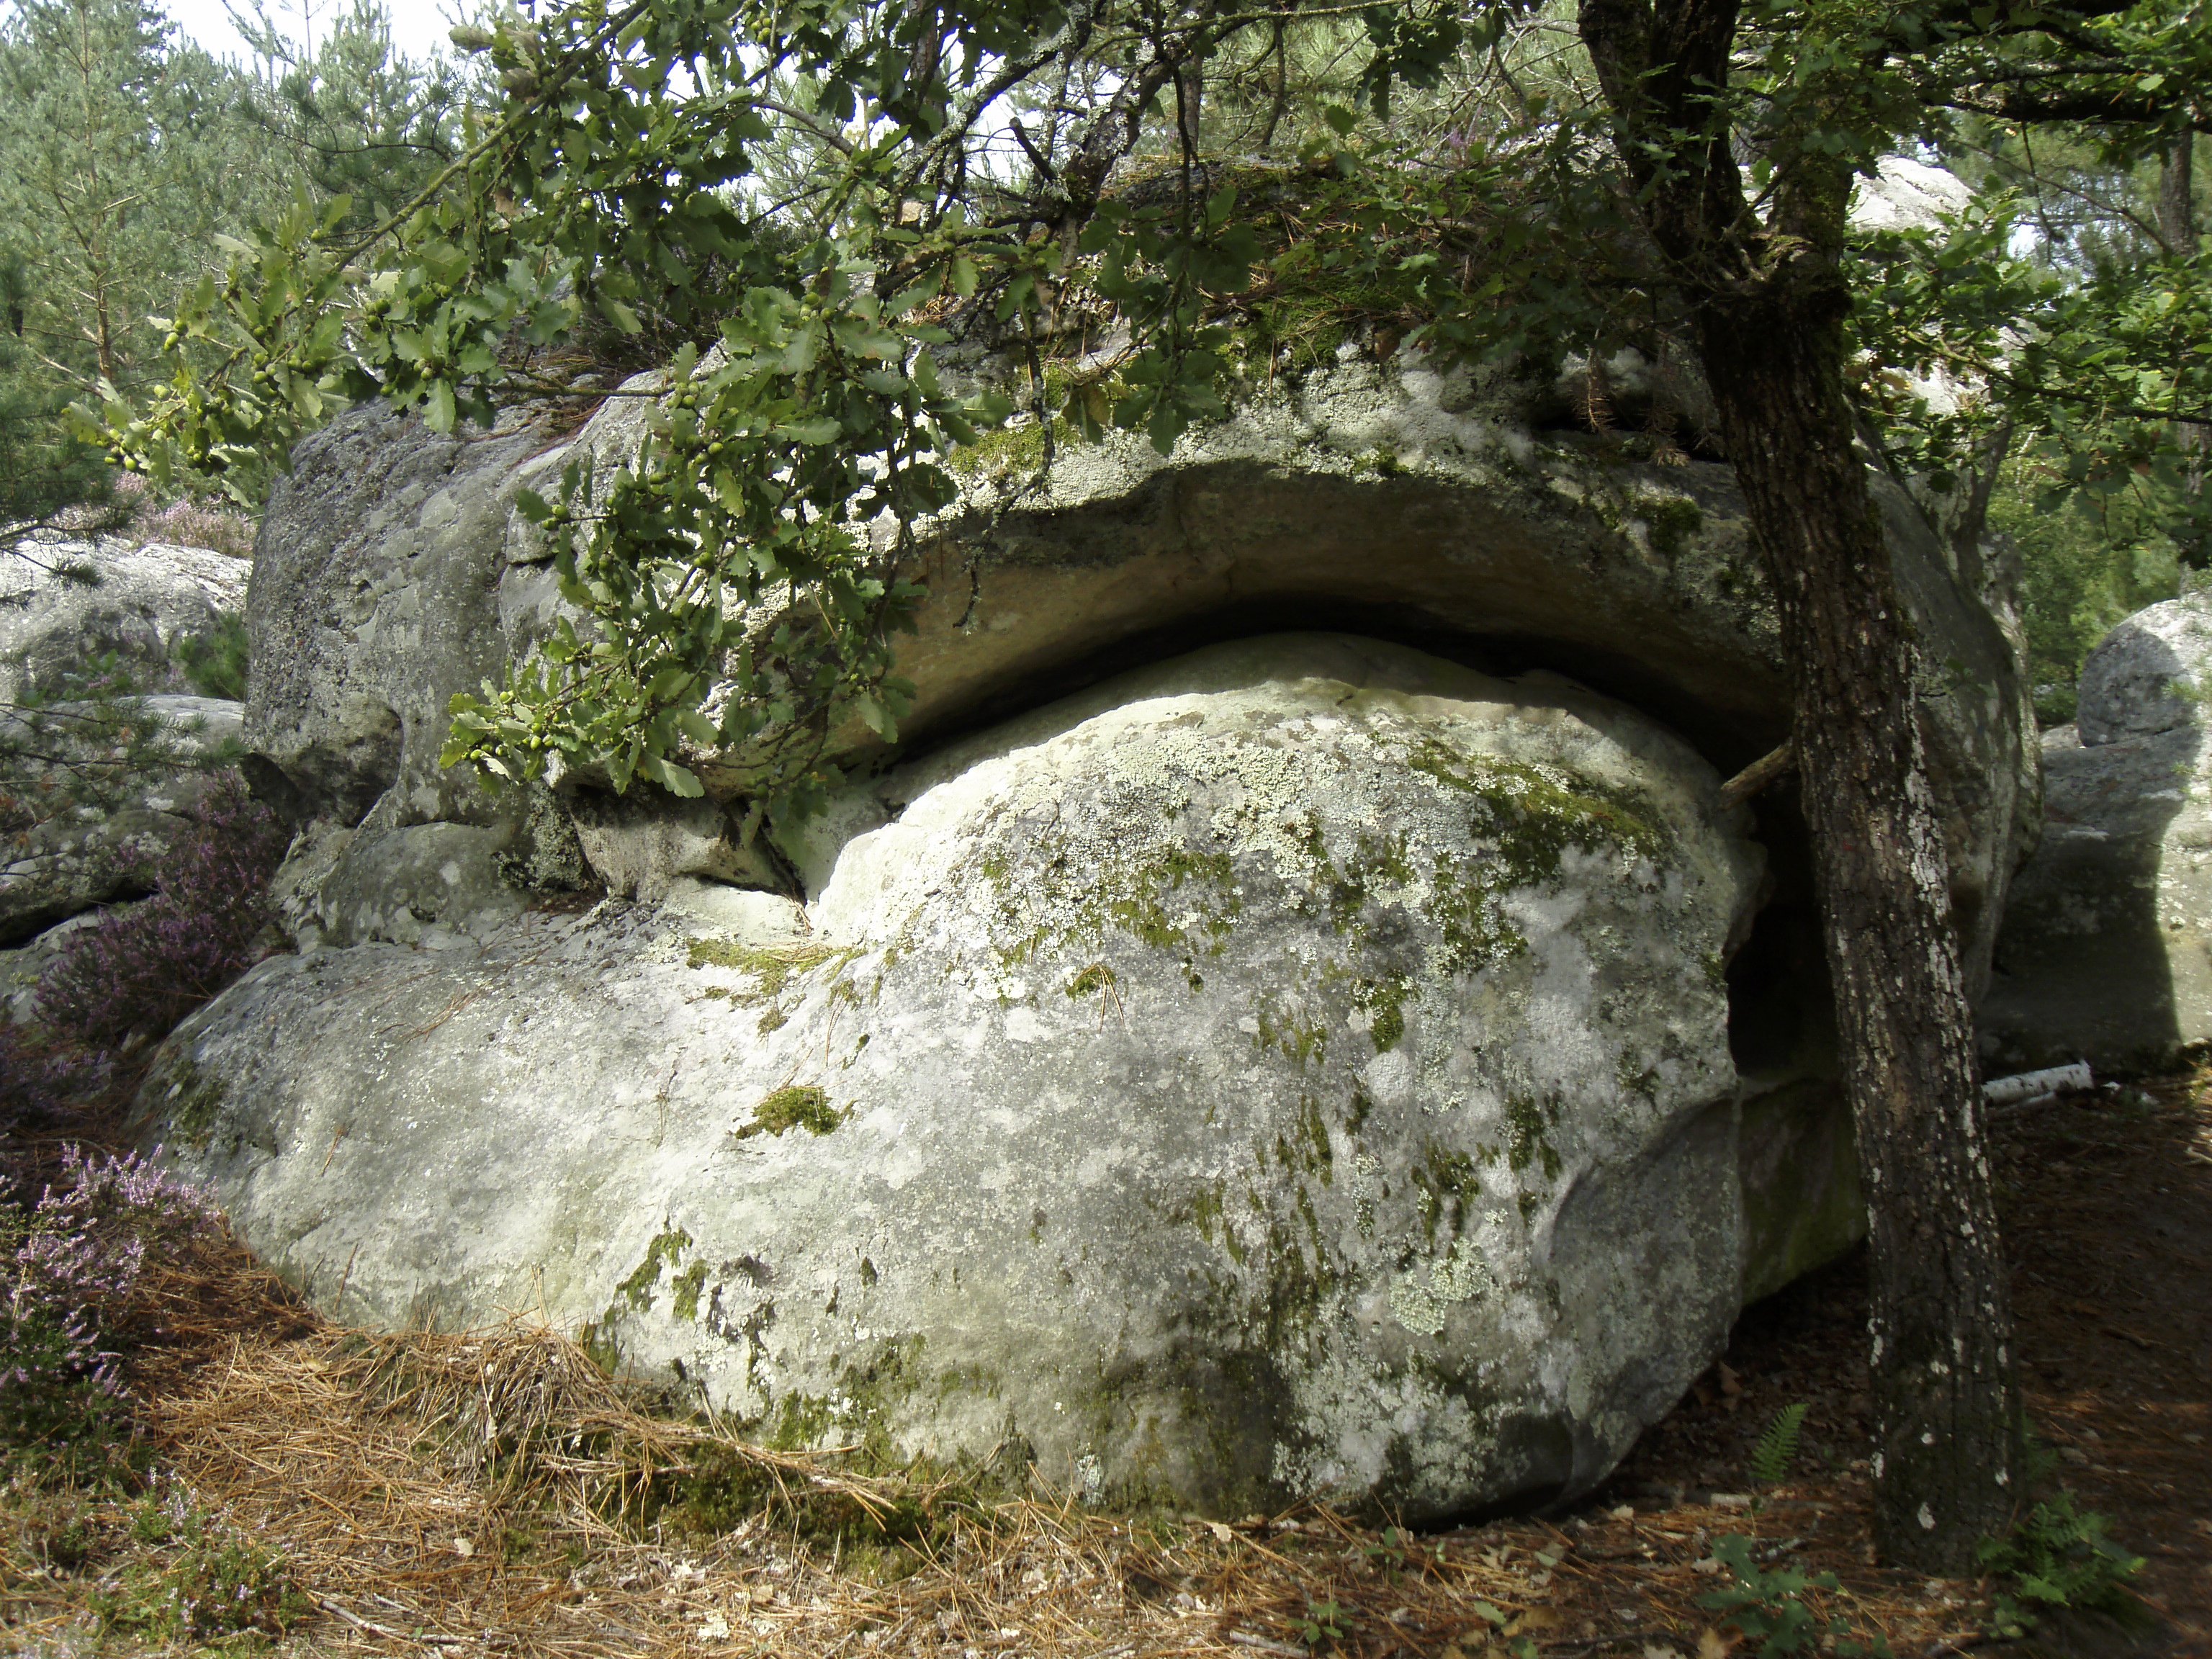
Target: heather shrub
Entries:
(194, 523)
(214, 1580)
(132, 511)
(39, 1079)
(144, 969)
(76, 1300)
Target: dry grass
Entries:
(498, 1493)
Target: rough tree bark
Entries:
(1768, 303)
(2177, 196)
(1190, 95)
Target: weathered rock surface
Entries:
(1905, 194)
(1382, 497)
(2146, 676)
(147, 757)
(374, 599)
(1375, 497)
(2106, 951)
(101, 783)
(1293, 1073)
(67, 604)
(1300, 1067)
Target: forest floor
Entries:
(317, 1490)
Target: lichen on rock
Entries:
(1291, 1070)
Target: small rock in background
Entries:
(2105, 953)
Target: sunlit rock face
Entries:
(1298, 1068)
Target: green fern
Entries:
(2060, 1556)
(1769, 1606)
(1778, 1447)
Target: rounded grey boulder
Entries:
(66, 606)
(2144, 676)
(1299, 1068)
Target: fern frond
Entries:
(1778, 1447)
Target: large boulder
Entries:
(375, 599)
(1384, 497)
(2106, 951)
(1299, 1068)
(1370, 1049)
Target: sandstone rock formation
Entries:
(79, 619)
(1298, 1068)
(375, 598)
(1317, 1066)
(1384, 498)
(2106, 951)
(62, 860)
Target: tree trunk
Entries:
(2177, 196)
(1768, 302)
(1190, 95)
(1946, 1405)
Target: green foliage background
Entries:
(2081, 571)
(128, 159)
(447, 220)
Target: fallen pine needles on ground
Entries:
(498, 1493)
(298, 1488)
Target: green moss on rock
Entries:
(1673, 520)
(773, 965)
(1098, 977)
(664, 1252)
(193, 1099)
(1016, 448)
(1528, 1142)
(1532, 814)
(795, 1106)
(1299, 1037)
(1131, 897)
(687, 1285)
(1450, 1187)
(1383, 1001)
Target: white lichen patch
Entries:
(1422, 1299)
